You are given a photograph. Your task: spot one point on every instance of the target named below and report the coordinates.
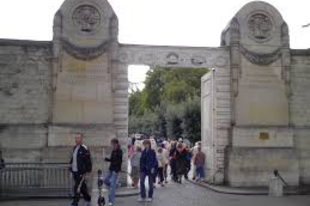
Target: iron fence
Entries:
(35, 180)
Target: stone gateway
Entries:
(255, 101)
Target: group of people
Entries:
(153, 160)
(81, 164)
(149, 161)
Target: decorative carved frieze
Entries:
(172, 59)
(263, 59)
(84, 53)
(173, 56)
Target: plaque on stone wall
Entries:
(264, 136)
(260, 27)
(87, 18)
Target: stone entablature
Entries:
(166, 56)
(255, 101)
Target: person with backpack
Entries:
(115, 160)
(80, 164)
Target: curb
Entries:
(223, 191)
(119, 195)
(234, 191)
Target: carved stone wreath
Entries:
(260, 27)
(87, 18)
(263, 59)
(84, 53)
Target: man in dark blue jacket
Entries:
(80, 165)
(148, 167)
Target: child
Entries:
(161, 165)
(135, 166)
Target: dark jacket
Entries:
(2, 164)
(181, 161)
(115, 160)
(84, 163)
(148, 161)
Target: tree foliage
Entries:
(169, 105)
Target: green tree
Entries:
(191, 117)
(169, 105)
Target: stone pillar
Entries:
(235, 64)
(121, 111)
(90, 88)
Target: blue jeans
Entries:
(110, 181)
(200, 172)
(142, 184)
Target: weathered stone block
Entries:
(262, 137)
(248, 167)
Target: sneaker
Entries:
(149, 199)
(110, 204)
(166, 181)
(141, 199)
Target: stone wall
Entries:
(25, 98)
(249, 167)
(299, 104)
(216, 110)
(300, 110)
(25, 86)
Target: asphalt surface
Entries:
(186, 194)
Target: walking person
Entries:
(135, 166)
(172, 156)
(199, 162)
(194, 151)
(2, 163)
(161, 164)
(181, 162)
(166, 161)
(80, 165)
(148, 166)
(115, 160)
(188, 161)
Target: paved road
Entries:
(186, 195)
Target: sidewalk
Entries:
(120, 192)
(250, 191)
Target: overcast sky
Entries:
(157, 22)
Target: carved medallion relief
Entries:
(87, 18)
(260, 27)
